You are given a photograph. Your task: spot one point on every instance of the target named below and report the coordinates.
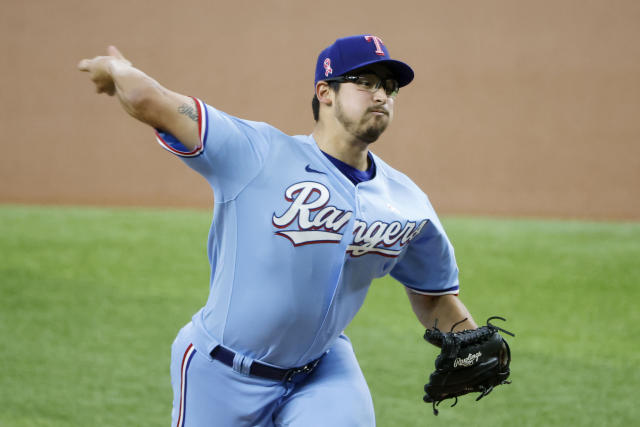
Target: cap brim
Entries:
(401, 71)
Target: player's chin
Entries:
(372, 133)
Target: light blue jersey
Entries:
(294, 245)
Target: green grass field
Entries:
(91, 299)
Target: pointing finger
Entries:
(83, 65)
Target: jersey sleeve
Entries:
(231, 150)
(428, 265)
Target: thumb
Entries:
(113, 51)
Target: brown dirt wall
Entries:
(519, 108)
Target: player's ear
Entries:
(324, 93)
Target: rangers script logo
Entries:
(309, 219)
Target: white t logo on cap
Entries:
(378, 42)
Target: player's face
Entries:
(363, 112)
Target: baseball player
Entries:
(301, 226)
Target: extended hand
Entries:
(99, 69)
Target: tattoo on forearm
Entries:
(188, 111)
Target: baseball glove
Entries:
(470, 361)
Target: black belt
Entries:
(258, 369)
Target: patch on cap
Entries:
(327, 67)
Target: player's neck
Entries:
(342, 146)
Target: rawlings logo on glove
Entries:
(467, 361)
(470, 361)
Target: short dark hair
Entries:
(315, 104)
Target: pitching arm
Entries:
(448, 309)
(142, 97)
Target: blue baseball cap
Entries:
(350, 53)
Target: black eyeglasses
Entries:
(370, 83)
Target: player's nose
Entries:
(380, 94)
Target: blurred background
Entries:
(518, 108)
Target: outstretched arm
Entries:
(447, 309)
(144, 98)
